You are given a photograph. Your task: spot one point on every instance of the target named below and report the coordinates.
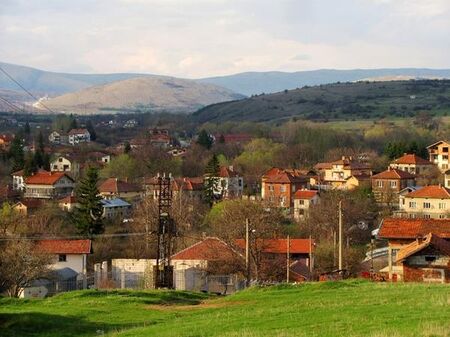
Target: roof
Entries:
(227, 172)
(77, 131)
(350, 163)
(19, 173)
(209, 249)
(185, 183)
(279, 246)
(45, 178)
(439, 142)
(393, 174)
(65, 246)
(116, 202)
(305, 194)
(411, 159)
(114, 185)
(432, 191)
(284, 176)
(360, 177)
(322, 166)
(400, 228)
(418, 245)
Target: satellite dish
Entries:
(362, 225)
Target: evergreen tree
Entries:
(91, 130)
(212, 171)
(41, 159)
(27, 128)
(126, 148)
(30, 166)
(16, 153)
(87, 217)
(204, 139)
(73, 123)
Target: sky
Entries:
(203, 38)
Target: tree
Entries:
(73, 123)
(87, 217)
(204, 139)
(122, 167)
(16, 152)
(20, 264)
(90, 128)
(211, 180)
(30, 166)
(26, 128)
(126, 148)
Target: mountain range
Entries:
(125, 92)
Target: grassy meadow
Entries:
(350, 308)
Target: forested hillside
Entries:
(361, 100)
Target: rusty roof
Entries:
(400, 228)
(416, 246)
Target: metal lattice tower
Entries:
(166, 232)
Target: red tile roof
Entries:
(46, 178)
(114, 185)
(416, 246)
(78, 131)
(18, 173)
(412, 159)
(65, 246)
(393, 174)
(399, 228)
(209, 249)
(284, 176)
(433, 191)
(279, 246)
(305, 194)
(227, 172)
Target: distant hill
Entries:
(336, 101)
(250, 83)
(142, 94)
(50, 83)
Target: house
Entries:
(77, 136)
(278, 186)
(18, 180)
(337, 172)
(303, 200)
(5, 141)
(68, 203)
(447, 178)
(131, 123)
(230, 184)
(427, 202)
(58, 137)
(211, 257)
(400, 232)
(114, 188)
(160, 137)
(387, 185)
(301, 253)
(438, 154)
(186, 188)
(115, 208)
(48, 185)
(412, 163)
(357, 181)
(63, 164)
(67, 253)
(425, 260)
(27, 206)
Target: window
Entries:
(445, 157)
(426, 205)
(441, 216)
(442, 205)
(393, 183)
(427, 216)
(270, 187)
(60, 160)
(283, 188)
(412, 204)
(62, 258)
(430, 258)
(444, 166)
(445, 149)
(379, 183)
(301, 202)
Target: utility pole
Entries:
(247, 251)
(340, 234)
(310, 257)
(288, 257)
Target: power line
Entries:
(24, 89)
(12, 105)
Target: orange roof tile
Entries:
(279, 246)
(416, 246)
(46, 178)
(305, 194)
(432, 191)
(399, 228)
(78, 131)
(209, 249)
(412, 159)
(393, 174)
(65, 246)
(114, 185)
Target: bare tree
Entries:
(20, 264)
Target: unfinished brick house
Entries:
(410, 241)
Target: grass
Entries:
(351, 308)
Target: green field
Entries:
(350, 308)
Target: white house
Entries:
(303, 200)
(18, 181)
(48, 185)
(77, 136)
(230, 185)
(58, 137)
(62, 164)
